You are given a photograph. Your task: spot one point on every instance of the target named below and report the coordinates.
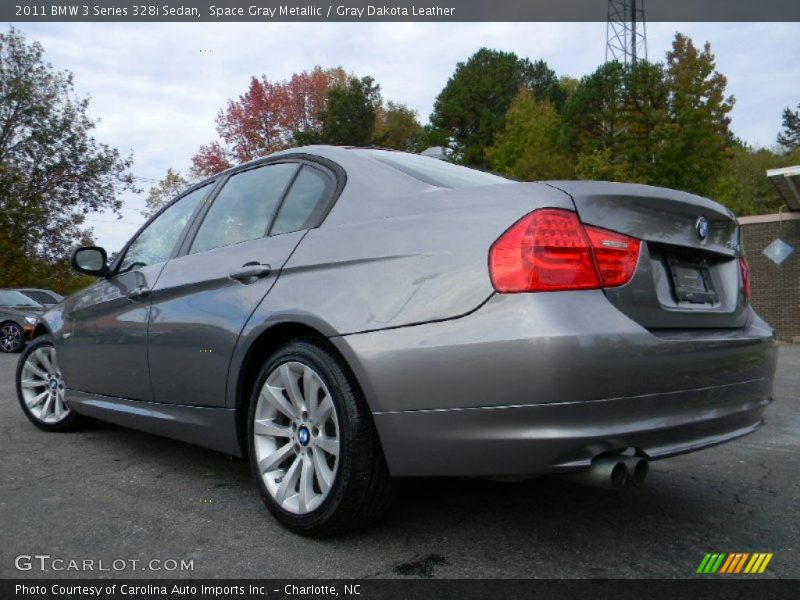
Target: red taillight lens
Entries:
(745, 270)
(615, 255)
(549, 250)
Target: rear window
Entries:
(15, 299)
(434, 171)
(40, 297)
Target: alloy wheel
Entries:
(42, 386)
(10, 337)
(296, 437)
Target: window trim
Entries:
(212, 183)
(186, 245)
(322, 207)
(334, 171)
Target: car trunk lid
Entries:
(688, 275)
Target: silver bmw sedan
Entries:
(343, 317)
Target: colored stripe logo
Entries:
(734, 563)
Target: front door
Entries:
(103, 347)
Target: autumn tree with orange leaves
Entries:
(319, 106)
(267, 118)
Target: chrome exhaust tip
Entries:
(637, 469)
(606, 472)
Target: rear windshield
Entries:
(434, 171)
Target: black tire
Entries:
(12, 337)
(362, 490)
(72, 421)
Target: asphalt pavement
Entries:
(110, 494)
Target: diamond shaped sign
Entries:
(778, 251)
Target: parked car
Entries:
(46, 298)
(347, 316)
(18, 316)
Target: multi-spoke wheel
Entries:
(296, 437)
(313, 446)
(11, 337)
(40, 388)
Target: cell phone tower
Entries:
(626, 33)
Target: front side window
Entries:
(156, 243)
(244, 207)
(303, 203)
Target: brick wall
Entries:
(776, 288)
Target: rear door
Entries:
(205, 296)
(688, 275)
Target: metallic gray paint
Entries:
(102, 340)
(532, 383)
(213, 428)
(462, 381)
(198, 312)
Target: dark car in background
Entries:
(46, 298)
(345, 316)
(18, 317)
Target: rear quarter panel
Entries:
(422, 258)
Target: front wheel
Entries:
(313, 446)
(41, 390)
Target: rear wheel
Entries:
(41, 390)
(313, 446)
(11, 337)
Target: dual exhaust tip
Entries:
(612, 472)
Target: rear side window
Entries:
(434, 171)
(303, 203)
(244, 207)
(40, 297)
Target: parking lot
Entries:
(110, 493)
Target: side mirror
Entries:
(90, 260)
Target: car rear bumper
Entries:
(546, 438)
(540, 383)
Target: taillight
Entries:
(745, 270)
(615, 255)
(549, 250)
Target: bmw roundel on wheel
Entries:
(344, 317)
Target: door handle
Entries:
(138, 293)
(250, 272)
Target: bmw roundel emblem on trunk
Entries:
(701, 227)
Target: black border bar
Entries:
(389, 10)
(708, 588)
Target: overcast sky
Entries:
(156, 88)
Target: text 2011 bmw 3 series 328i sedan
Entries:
(347, 316)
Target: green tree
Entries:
(602, 165)
(164, 191)
(471, 108)
(350, 115)
(613, 119)
(529, 147)
(743, 186)
(660, 124)
(789, 138)
(396, 127)
(695, 145)
(52, 171)
(593, 110)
